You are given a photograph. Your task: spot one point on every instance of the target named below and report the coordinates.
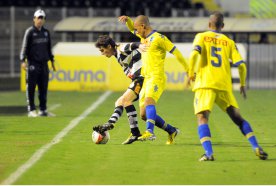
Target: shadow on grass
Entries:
(13, 110)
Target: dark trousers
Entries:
(37, 75)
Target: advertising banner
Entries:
(80, 67)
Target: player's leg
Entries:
(160, 123)
(205, 136)
(171, 130)
(127, 100)
(31, 81)
(153, 89)
(227, 102)
(148, 113)
(42, 84)
(146, 135)
(118, 111)
(203, 104)
(246, 130)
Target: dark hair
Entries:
(219, 19)
(104, 41)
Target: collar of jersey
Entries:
(37, 28)
(152, 32)
(215, 31)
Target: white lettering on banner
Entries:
(175, 77)
(77, 76)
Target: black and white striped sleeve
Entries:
(129, 47)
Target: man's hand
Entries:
(243, 91)
(53, 66)
(143, 47)
(123, 19)
(190, 80)
(24, 65)
(102, 128)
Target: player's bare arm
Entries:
(194, 57)
(242, 72)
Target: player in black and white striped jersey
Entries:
(129, 57)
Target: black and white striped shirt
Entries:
(129, 57)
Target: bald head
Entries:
(142, 26)
(142, 19)
(216, 21)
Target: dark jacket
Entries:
(36, 46)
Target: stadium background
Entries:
(259, 41)
(74, 159)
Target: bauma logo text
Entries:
(175, 77)
(77, 76)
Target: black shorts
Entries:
(136, 86)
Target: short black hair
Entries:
(104, 41)
(219, 19)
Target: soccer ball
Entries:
(98, 138)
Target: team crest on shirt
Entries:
(151, 39)
(46, 34)
(31, 67)
(155, 88)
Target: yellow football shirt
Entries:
(216, 51)
(153, 60)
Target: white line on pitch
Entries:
(55, 106)
(39, 153)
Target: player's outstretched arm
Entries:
(133, 46)
(181, 59)
(194, 57)
(129, 23)
(242, 73)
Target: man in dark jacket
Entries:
(36, 48)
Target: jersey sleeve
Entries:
(198, 43)
(235, 55)
(167, 44)
(25, 44)
(129, 47)
(130, 26)
(50, 48)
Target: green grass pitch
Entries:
(76, 160)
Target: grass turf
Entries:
(76, 160)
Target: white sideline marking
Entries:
(39, 153)
(55, 106)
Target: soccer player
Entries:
(153, 71)
(212, 50)
(129, 57)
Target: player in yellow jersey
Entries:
(153, 71)
(212, 50)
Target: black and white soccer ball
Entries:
(98, 138)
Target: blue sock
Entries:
(151, 117)
(205, 138)
(248, 133)
(163, 125)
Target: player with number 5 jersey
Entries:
(215, 52)
(216, 49)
